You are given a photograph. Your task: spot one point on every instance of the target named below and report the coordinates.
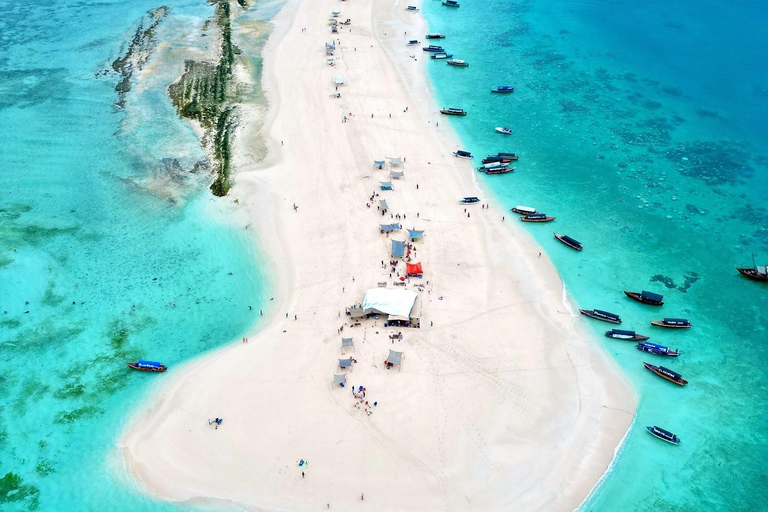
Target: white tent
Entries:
(389, 301)
(339, 380)
(395, 161)
(339, 80)
(396, 175)
(347, 343)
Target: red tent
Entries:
(413, 270)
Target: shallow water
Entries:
(109, 252)
(643, 129)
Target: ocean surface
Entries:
(111, 248)
(643, 127)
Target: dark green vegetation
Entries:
(205, 93)
(14, 490)
(143, 43)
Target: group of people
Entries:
(216, 422)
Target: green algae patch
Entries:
(14, 490)
(207, 93)
(75, 415)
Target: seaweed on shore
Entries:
(205, 93)
(137, 55)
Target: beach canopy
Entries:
(385, 185)
(389, 301)
(383, 204)
(396, 174)
(389, 227)
(394, 357)
(398, 248)
(413, 269)
(379, 163)
(395, 161)
(415, 233)
(357, 312)
(330, 45)
(339, 80)
(340, 379)
(347, 342)
(329, 51)
(345, 363)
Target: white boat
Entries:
(504, 130)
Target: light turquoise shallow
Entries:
(642, 127)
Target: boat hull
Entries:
(654, 369)
(566, 242)
(503, 132)
(753, 274)
(659, 323)
(636, 337)
(639, 298)
(451, 113)
(133, 366)
(504, 170)
(545, 219)
(650, 431)
(590, 314)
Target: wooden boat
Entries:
(523, 210)
(537, 217)
(666, 373)
(470, 200)
(453, 111)
(436, 36)
(659, 350)
(755, 273)
(618, 334)
(433, 48)
(653, 299)
(673, 323)
(458, 63)
(413, 42)
(462, 154)
(599, 314)
(508, 155)
(664, 435)
(495, 159)
(147, 366)
(504, 129)
(492, 165)
(440, 56)
(451, 3)
(570, 242)
(499, 170)
(503, 89)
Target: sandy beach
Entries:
(503, 402)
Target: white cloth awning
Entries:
(389, 301)
(339, 80)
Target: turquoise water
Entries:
(643, 128)
(106, 256)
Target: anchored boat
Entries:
(673, 323)
(462, 154)
(433, 48)
(666, 373)
(523, 210)
(436, 36)
(537, 217)
(658, 350)
(503, 89)
(451, 3)
(504, 130)
(618, 334)
(653, 299)
(453, 111)
(664, 435)
(442, 55)
(147, 366)
(458, 63)
(470, 200)
(570, 242)
(755, 273)
(599, 314)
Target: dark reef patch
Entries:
(714, 163)
(688, 280)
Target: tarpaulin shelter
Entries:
(379, 163)
(347, 343)
(413, 269)
(330, 45)
(339, 380)
(345, 363)
(398, 248)
(396, 174)
(383, 204)
(339, 80)
(395, 161)
(385, 185)
(415, 233)
(394, 357)
(389, 301)
(389, 227)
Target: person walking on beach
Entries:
(302, 474)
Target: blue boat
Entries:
(646, 297)
(451, 3)
(664, 435)
(433, 48)
(659, 350)
(147, 366)
(503, 89)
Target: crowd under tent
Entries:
(379, 163)
(347, 343)
(415, 234)
(329, 51)
(398, 248)
(383, 204)
(389, 301)
(396, 161)
(332, 21)
(413, 269)
(385, 185)
(338, 80)
(330, 62)
(345, 363)
(388, 228)
(396, 174)
(394, 357)
(356, 313)
(339, 380)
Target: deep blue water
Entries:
(643, 127)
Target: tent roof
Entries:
(389, 227)
(398, 248)
(340, 379)
(385, 185)
(379, 162)
(383, 204)
(346, 342)
(395, 357)
(415, 233)
(413, 268)
(396, 174)
(396, 161)
(339, 79)
(389, 301)
(399, 318)
(345, 363)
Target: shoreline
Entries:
(191, 469)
